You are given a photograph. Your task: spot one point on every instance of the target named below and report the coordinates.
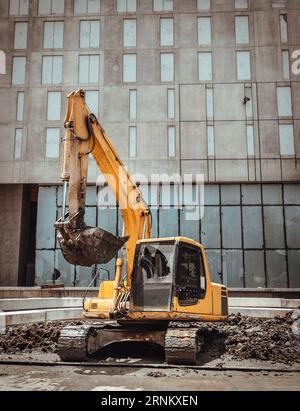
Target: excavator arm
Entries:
(82, 245)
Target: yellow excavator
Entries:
(165, 293)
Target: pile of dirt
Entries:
(276, 339)
(26, 338)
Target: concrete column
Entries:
(11, 198)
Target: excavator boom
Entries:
(80, 244)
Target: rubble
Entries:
(40, 337)
(255, 338)
(240, 338)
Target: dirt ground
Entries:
(32, 378)
(272, 344)
(241, 338)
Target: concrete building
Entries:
(206, 87)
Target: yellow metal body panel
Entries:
(106, 290)
(207, 309)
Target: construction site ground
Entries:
(243, 354)
(61, 378)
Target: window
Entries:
(52, 70)
(205, 66)
(284, 101)
(132, 104)
(203, 5)
(285, 56)
(171, 104)
(210, 141)
(87, 6)
(155, 262)
(92, 100)
(163, 5)
(283, 28)
(18, 7)
(53, 34)
(241, 4)
(250, 140)
(209, 104)
(89, 68)
(18, 70)
(90, 34)
(129, 68)
(20, 106)
(20, 40)
(129, 33)
(124, 6)
(243, 65)
(166, 32)
(249, 103)
(132, 142)
(52, 142)
(190, 275)
(171, 141)
(54, 105)
(18, 142)
(242, 30)
(286, 135)
(51, 6)
(167, 67)
(204, 31)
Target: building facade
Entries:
(182, 87)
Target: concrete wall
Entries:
(230, 162)
(11, 197)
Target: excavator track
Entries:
(183, 343)
(78, 343)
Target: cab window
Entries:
(190, 275)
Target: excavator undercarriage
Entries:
(181, 341)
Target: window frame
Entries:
(201, 293)
(51, 13)
(89, 64)
(90, 31)
(53, 32)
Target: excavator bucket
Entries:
(87, 246)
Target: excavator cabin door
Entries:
(191, 281)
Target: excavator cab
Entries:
(171, 280)
(165, 269)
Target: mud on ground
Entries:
(276, 339)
